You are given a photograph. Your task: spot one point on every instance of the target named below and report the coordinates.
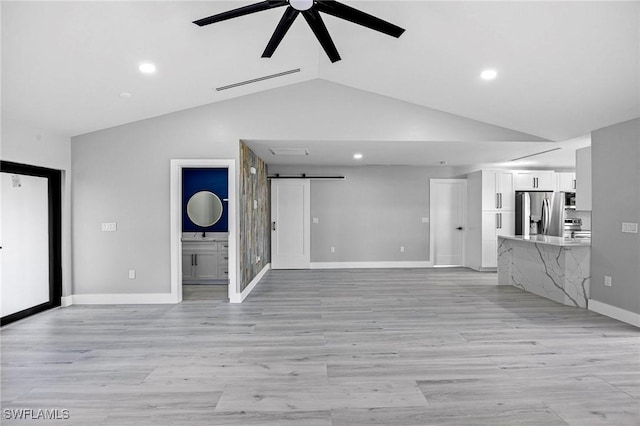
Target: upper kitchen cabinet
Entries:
(538, 180)
(583, 179)
(497, 190)
(565, 182)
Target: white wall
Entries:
(37, 147)
(122, 174)
(615, 163)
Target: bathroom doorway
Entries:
(206, 262)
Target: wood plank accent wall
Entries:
(255, 233)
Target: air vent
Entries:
(289, 151)
(537, 153)
(255, 80)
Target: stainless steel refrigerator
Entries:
(535, 214)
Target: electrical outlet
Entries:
(401, 249)
(333, 249)
(257, 259)
(109, 226)
(132, 274)
(255, 204)
(607, 280)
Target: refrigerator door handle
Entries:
(497, 220)
(545, 217)
(497, 200)
(501, 200)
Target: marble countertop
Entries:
(550, 240)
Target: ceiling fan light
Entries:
(301, 4)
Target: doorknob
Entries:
(459, 228)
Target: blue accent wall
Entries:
(214, 180)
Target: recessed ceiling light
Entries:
(147, 68)
(488, 74)
(357, 156)
(125, 95)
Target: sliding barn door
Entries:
(290, 224)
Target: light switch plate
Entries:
(425, 220)
(255, 204)
(631, 228)
(109, 226)
(316, 220)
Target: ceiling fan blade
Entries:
(285, 23)
(348, 13)
(320, 30)
(241, 11)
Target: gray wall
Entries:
(368, 216)
(616, 198)
(121, 174)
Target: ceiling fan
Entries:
(310, 10)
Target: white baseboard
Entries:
(614, 312)
(239, 297)
(66, 301)
(121, 299)
(355, 265)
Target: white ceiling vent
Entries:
(289, 151)
(537, 153)
(255, 80)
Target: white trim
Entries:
(254, 282)
(614, 312)
(122, 299)
(176, 223)
(432, 225)
(369, 265)
(66, 301)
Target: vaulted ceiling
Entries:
(564, 68)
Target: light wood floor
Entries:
(348, 347)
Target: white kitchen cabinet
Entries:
(497, 190)
(491, 212)
(538, 180)
(204, 261)
(565, 182)
(583, 179)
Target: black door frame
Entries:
(54, 179)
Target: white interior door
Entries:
(24, 277)
(290, 224)
(448, 218)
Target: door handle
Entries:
(192, 259)
(573, 184)
(500, 220)
(501, 200)
(497, 221)
(195, 256)
(497, 200)
(274, 226)
(459, 228)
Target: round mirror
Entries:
(204, 208)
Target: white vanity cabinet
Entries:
(204, 261)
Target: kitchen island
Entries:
(553, 267)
